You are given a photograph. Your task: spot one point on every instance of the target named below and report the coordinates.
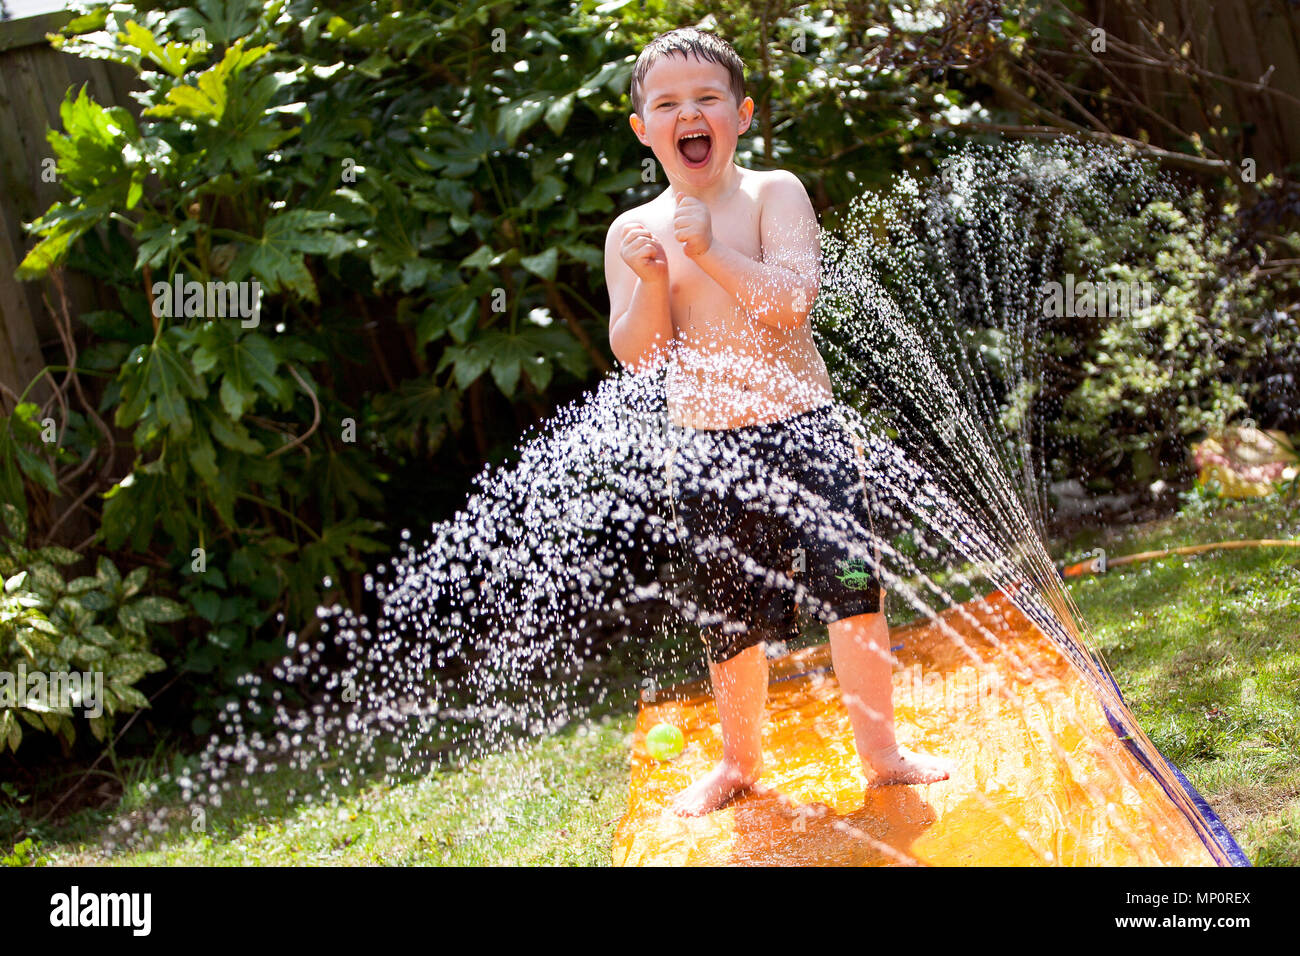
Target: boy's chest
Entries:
(735, 223)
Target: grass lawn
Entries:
(1206, 650)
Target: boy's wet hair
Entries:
(687, 41)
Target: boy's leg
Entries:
(860, 655)
(740, 689)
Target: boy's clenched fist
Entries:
(643, 253)
(692, 225)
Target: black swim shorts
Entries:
(769, 518)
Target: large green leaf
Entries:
(98, 150)
(458, 151)
(134, 582)
(159, 610)
(129, 695)
(131, 510)
(420, 413)
(37, 469)
(175, 58)
(402, 237)
(531, 351)
(11, 731)
(14, 521)
(558, 113)
(233, 435)
(129, 616)
(202, 457)
(543, 264)
(247, 362)
(223, 22)
(157, 383)
(545, 194)
(516, 117)
(58, 554)
(160, 242)
(59, 228)
(207, 100)
(278, 258)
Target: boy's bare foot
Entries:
(714, 789)
(898, 765)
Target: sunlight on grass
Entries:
(554, 802)
(1206, 650)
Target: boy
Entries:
(716, 276)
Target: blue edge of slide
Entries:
(1218, 832)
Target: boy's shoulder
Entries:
(777, 181)
(634, 212)
(756, 182)
(646, 213)
(783, 175)
(761, 184)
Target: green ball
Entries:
(664, 742)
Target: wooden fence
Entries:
(1246, 41)
(33, 80)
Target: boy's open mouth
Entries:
(695, 149)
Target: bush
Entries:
(1154, 378)
(90, 625)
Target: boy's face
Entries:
(682, 95)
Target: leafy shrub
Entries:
(21, 855)
(1156, 377)
(96, 624)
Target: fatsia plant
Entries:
(364, 180)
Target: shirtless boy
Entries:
(716, 276)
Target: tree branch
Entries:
(1197, 163)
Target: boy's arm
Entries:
(640, 321)
(779, 291)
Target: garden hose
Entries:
(1101, 563)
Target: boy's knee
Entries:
(724, 649)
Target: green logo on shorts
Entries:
(855, 574)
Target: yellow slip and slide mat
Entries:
(1042, 777)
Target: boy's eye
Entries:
(662, 106)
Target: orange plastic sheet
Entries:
(1041, 779)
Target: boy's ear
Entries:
(638, 127)
(746, 113)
